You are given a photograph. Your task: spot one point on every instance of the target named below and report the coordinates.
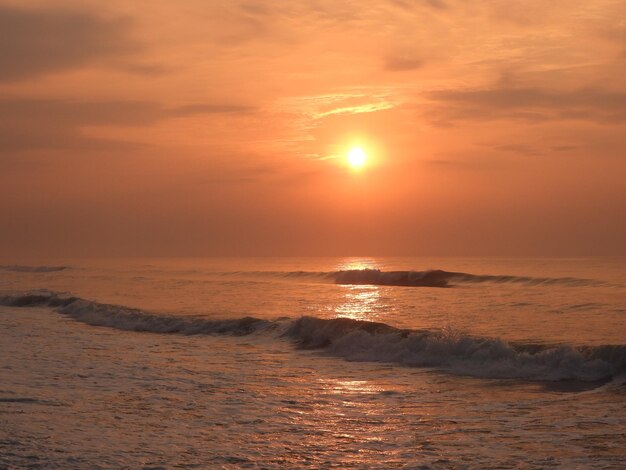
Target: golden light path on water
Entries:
(360, 302)
(351, 386)
(355, 402)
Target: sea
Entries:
(424, 363)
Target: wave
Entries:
(132, 319)
(32, 269)
(428, 278)
(356, 340)
(457, 352)
(440, 278)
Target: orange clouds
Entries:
(224, 119)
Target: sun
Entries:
(356, 157)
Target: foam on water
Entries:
(194, 357)
(356, 340)
(131, 319)
(457, 352)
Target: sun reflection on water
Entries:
(360, 302)
(352, 264)
(342, 387)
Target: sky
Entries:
(221, 128)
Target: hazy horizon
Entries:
(223, 128)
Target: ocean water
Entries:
(319, 363)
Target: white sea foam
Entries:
(131, 319)
(364, 341)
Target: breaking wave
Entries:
(32, 269)
(457, 352)
(440, 278)
(355, 340)
(131, 319)
(427, 278)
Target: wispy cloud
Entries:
(27, 124)
(403, 63)
(531, 104)
(38, 42)
(321, 106)
(363, 108)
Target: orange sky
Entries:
(205, 127)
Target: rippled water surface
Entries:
(153, 363)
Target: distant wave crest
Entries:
(427, 278)
(32, 269)
(356, 340)
(440, 278)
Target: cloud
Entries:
(403, 63)
(531, 104)
(38, 42)
(519, 149)
(27, 124)
(437, 4)
(463, 163)
(564, 148)
(357, 102)
(208, 109)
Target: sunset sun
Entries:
(356, 157)
(313, 234)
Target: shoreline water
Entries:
(84, 397)
(249, 370)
